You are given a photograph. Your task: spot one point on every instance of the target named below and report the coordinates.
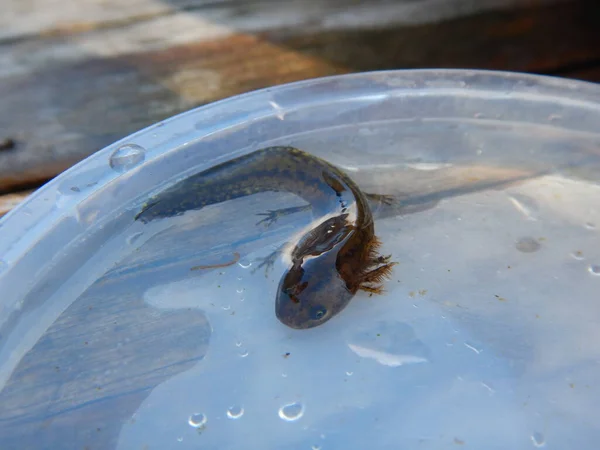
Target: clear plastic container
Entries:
(120, 335)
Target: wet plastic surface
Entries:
(115, 334)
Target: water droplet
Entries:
(238, 343)
(525, 205)
(245, 264)
(240, 290)
(488, 387)
(528, 245)
(227, 307)
(126, 157)
(180, 439)
(471, 347)
(279, 111)
(594, 269)
(538, 439)
(577, 254)
(131, 240)
(197, 420)
(235, 412)
(590, 225)
(244, 353)
(316, 447)
(291, 411)
(284, 375)
(349, 373)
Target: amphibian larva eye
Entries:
(318, 312)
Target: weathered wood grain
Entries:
(68, 111)
(92, 379)
(9, 201)
(66, 96)
(539, 40)
(20, 20)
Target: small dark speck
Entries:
(458, 441)
(502, 299)
(572, 385)
(86, 342)
(378, 334)
(7, 144)
(75, 189)
(286, 354)
(98, 429)
(57, 368)
(90, 308)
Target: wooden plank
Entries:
(9, 201)
(21, 20)
(537, 40)
(588, 71)
(66, 96)
(93, 379)
(60, 115)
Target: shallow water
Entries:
(486, 334)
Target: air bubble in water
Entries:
(528, 245)
(538, 439)
(245, 264)
(235, 412)
(525, 205)
(131, 240)
(594, 269)
(473, 348)
(197, 420)
(127, 157)
(291, 412)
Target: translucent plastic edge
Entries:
(16, 225)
